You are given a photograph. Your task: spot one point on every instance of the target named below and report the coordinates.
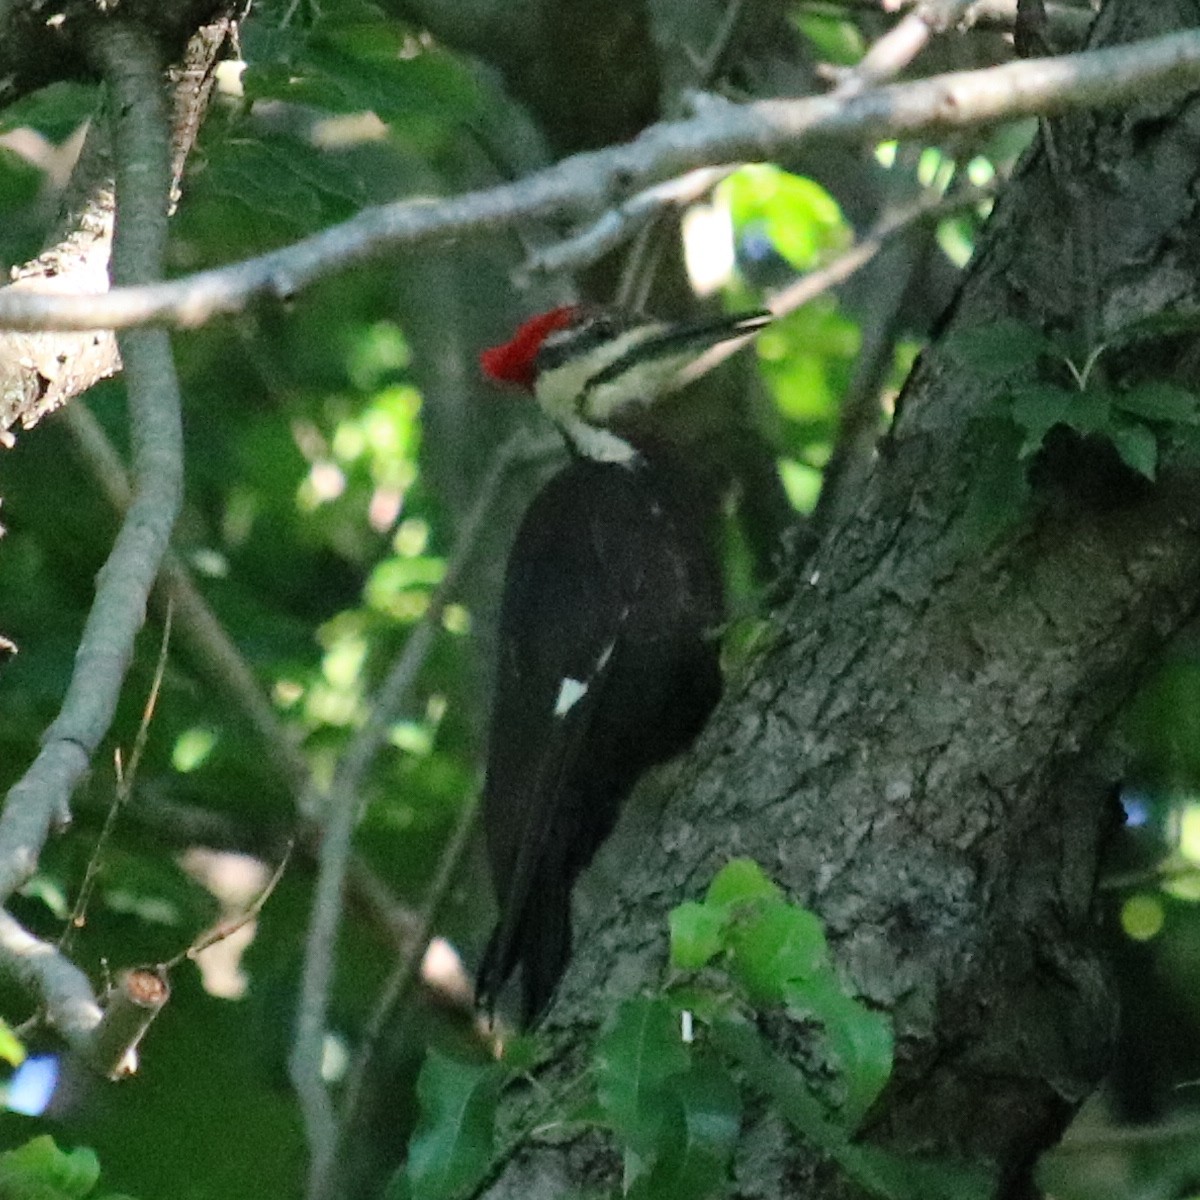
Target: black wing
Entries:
(602, 631)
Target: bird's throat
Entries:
(599, 445)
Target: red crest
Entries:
(514, 361)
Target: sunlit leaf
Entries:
(741, 880)
(775, 947)
(859, 1041)
(697, 934)
(39, 1170)
(11, 1049)
(799, 218)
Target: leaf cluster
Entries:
(667, 1073)
(39, 1170)
(1041, 389)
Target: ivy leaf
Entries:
(39, 1170)
(706, 1118)
(1160, 402)
(1138, 447)
(1039, 407)
(906, 1177)
(739, 881)
(775, 948)
(782, 1083)
(453, 1142)
(889, 1175)
(999, 350)
(635, 1057)
(697, 934)
(859, 1041)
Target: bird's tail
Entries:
(539, 942)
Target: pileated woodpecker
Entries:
(608, 662)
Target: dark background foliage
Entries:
(333, 452)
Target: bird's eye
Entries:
(603, 327)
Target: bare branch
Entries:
(340, 810)
(41, 371)
(63, 989)
(1069, 22)
(815, 283)
(141, 139)
(587, 183)
(892, 52)
(620, 223)
(131, 1005)
(399, 984)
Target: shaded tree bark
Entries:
(918, 754)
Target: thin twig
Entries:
(121, 794)
(587, 183)
(341, 815)
(226, 929)
(708, 68)
(815, 283)
(217, 654)
(620, 223)
(129, 62)
(896, 49)
(641, 264)
(394, 994)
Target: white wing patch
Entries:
(570, 692)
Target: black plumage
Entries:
(608, 664)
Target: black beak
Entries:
(702, 335)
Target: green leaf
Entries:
(859, 1041)
(39, 1170)
(11, 1049)
(832, 40)
(1138, 447)
(1038, 408)
(892, 1176)
(906, 1177)
(776, 947)
(1160, 402)
(453, 1142)
(782, 1083)
(1156, 327)
(55, 111)
(741, 880)
(999, 350)
(635, 1056)
(704, 1125)
(798, 216)
(697, 934)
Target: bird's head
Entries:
(589, 367)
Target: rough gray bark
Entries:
(42, 43)
(40, 372)
(916, 755)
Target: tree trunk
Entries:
(917, 752)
